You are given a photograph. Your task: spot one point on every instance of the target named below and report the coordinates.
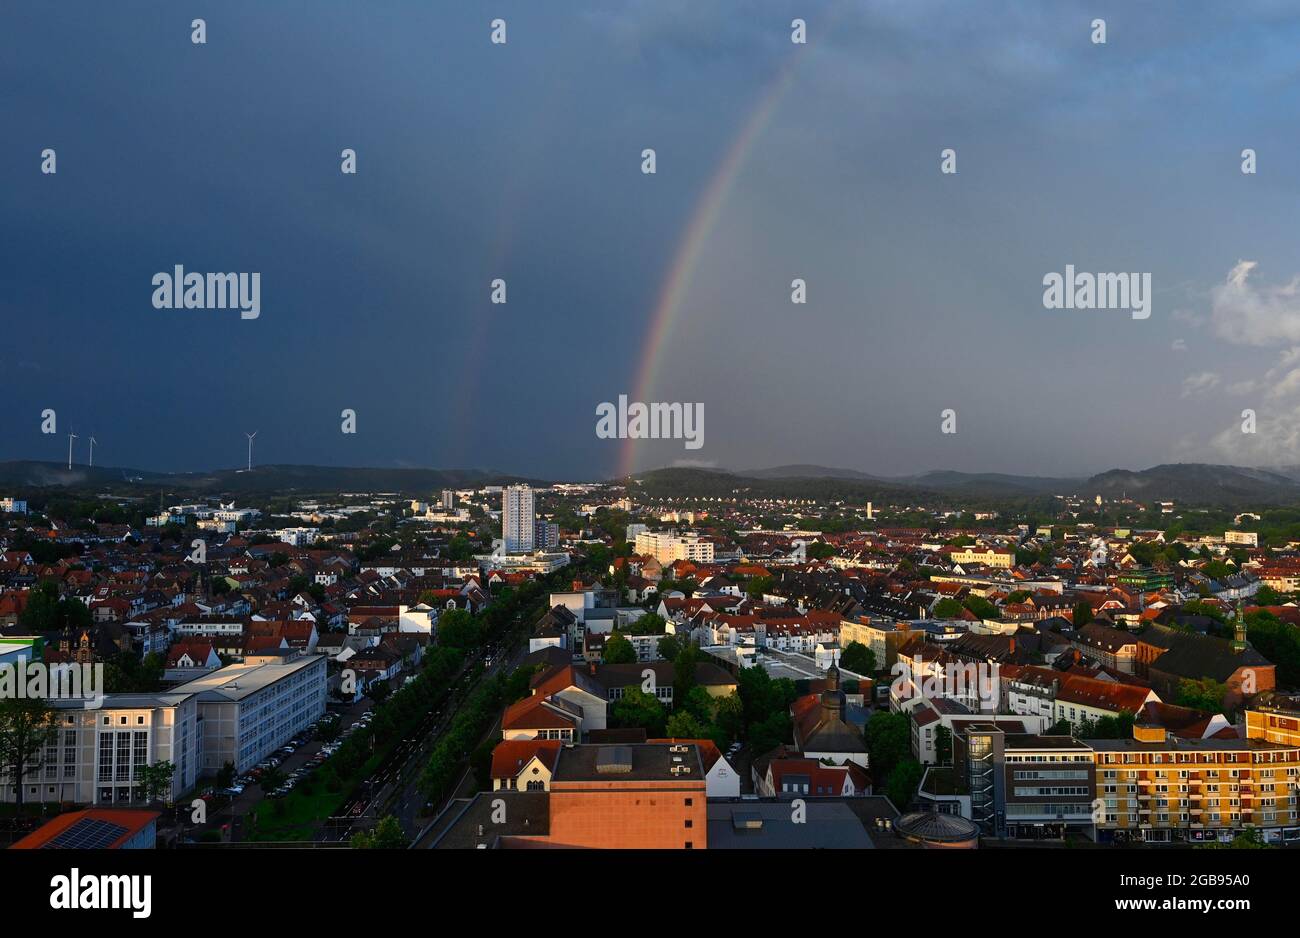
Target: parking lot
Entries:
(294, 762)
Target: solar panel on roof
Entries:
(87, 834)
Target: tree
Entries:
(669, 647)
(947, 608)
(903, 782)
(1277, 641)
(379, 690)
(758, 586)
(46, 612)
(156, 779)
(699, 703)
(649, 624)
(618, 650)
(27, 727)
(981, 607)
(1082, 614)
(225, 776)
(386, 835)
(1201, 694)
(683, 725)
(775, 730)
(637, 708)
(889, 741)
(729, 717)
(271, 779)
(458, 629)
(943, 745)
(762, 697)
(1267, 596)
(684, 671)
(328, 729)
(517, 685)
(1116, 727)
(858, 658)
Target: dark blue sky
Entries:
(522, 161)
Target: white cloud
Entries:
(1245, 314)
(1275, 442)
(1200, 383)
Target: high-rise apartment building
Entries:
(518, 519)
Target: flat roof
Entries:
(467, 823)
(124, 701)
(628, 762)
(771, 825)
(237, 681)
(1178, 743)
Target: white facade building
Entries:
(518, 519)
(249, 710)
(667, 546)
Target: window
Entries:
(689, 823)
(106, 758)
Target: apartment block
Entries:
(1158, 788)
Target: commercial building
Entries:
(1024, 786)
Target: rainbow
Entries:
(708, 209)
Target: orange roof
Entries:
(529, 713)
(132, 821)
(511, 755)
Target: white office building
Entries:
(250, 710)
(96, 755)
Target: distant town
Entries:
(637, 664)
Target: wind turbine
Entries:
(250, 449)
(71, 437)
(92, 452)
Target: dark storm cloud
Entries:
(522, 162)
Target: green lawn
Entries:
(296, 815)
